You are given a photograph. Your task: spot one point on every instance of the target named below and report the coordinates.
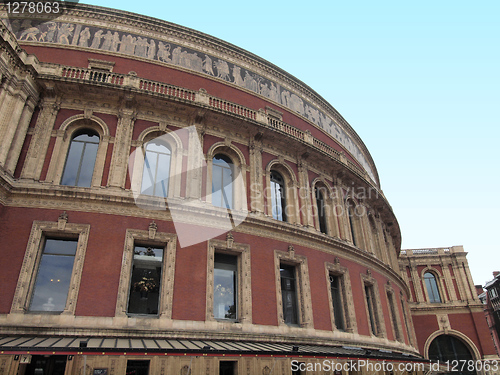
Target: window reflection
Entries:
(222, 181)
(145, 281)
(278, 199)
(289, 294)
(432, 287)
(54, 276)
(225, 286)
(338, 308)
(156, 172)
(320, 203)
(81, 159)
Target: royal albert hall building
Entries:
(173, 204)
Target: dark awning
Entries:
(152, 345)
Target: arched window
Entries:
(448, 348)
(81, 158)
(352, 227)
(321, 207)
(156, 172)
(278, 198)
(432, 287)
(222, 181)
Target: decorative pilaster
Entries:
(121, 148)
(449, 282)
(256, 177)
(417, 285)
(20, 135)
(10, 115)
(305, 195)
(195, 164)
(37, 150)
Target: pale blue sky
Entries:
(419, 82)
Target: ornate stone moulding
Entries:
(123, 33)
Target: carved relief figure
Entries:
(51, 32)
(312, 114)
(249, 82)
(108, 39)
(96, 42)
(285, 97)
(141, 47)
(30, 34)
(191, 61)
(237, 75)
(207, 65)
(222, 69)
(264, 89)
(114, 42)
(273, 93)
(129, 44)
(84, 38)
(163, 52)
(176, 55)
(151, 49)
(296, 104)
(65, 31)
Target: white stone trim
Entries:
(142, 237)
(27, 277)
(244, 296)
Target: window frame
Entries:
(232, 168)
(323, 219)
(369, 284)
(77, 133)
(36, 276)
(144, 154)
(136, 245)
(304, 303)
(283, 195)
(137, 159)
(168, 242)
(292, 210)
(41, 230)
(437, 282)
(243, 284)
(392, 306)
(63, 139)
(240, 170)
(354, 223)
(345, 288)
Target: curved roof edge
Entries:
(96, 27)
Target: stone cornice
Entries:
(23, 193)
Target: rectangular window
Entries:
(54, 276)
(370, 303)
(228, 368)
(225, 286)
(394, 319)
(145, 281)
(338, 307)
(405, 317)
(289, 294)
(137, 367)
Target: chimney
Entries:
(496, 273)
